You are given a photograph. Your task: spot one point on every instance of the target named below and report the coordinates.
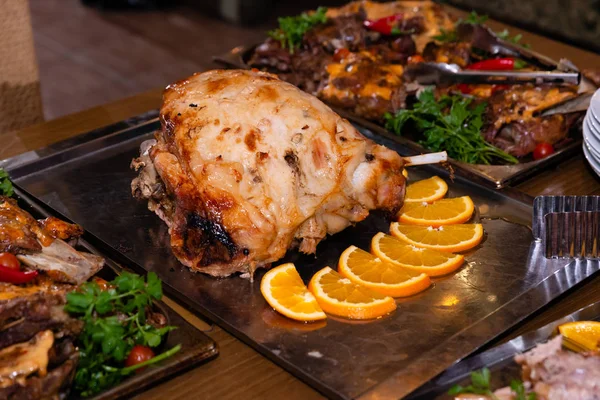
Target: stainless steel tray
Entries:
(497, 176)
(500, 359)
(503, 282)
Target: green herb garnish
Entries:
(505, 35)
(6, 187)
(473, 19)
(292, 29)
(114, 321)
(450, 123)
(480, 384)
(519, 390)
(446, 36)
(449, 36)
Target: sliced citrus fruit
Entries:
(451, 238)
(365, 269)
(431, 262)
(438, 213)
(584, 334)
(426, 190)
(284, 290)
(340, 296)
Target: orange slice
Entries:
(284, 290)
(426, 190)
(438, 213)
(583, 334)
(431, 262)
(451, 238)
(342, 297)
(389, 279)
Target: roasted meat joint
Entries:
(247, 166)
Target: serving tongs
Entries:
(430, 73)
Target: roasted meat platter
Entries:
(48, 272)
(360, 59)
(361, 271)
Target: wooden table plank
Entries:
(240, 371)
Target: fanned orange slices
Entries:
(426, 190)
(451, 238)
(284, 290)
(421, 245)
(406, 255)
(440, 212)
(389, 279)
(340, 296)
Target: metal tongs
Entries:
(429, 73)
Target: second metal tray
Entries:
(497, 176)
(504, 281)
(500, 360)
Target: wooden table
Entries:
(241, 372)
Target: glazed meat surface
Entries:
(513, 124)
(247, 166)
(19, 231)
(44, 249)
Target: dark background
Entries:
(95, 51)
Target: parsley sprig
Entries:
(292, 29)
(114, 321)
(480, 384)
(450, 123)
(448, 36)
(505, 35)
(6, 187)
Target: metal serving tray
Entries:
(497, 176)
(504, 281)
(500, 359)
(196, 347)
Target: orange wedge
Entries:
(284, 290)
(451, 238)
(585, 335)
(438, 213)
(388, 279)
(342, 297)
(431, 262)
(426, 190)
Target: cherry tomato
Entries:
(139, 354)
(415, 59)
(341, 53)
(542, 150)
(9, 261)
(102, 283)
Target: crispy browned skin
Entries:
(251, 165)
(19, 231)
(60, 229)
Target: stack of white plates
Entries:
(591, 133)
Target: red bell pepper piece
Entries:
(10, 275)
(498, 64)
(415, 59)
(384, 25)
